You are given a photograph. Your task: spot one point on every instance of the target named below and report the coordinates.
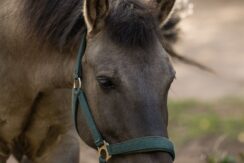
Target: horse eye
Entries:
(105, 82)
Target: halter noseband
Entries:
(105, 150)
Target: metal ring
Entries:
(77, 83)
(103, 151)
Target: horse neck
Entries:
(52, 69)
(44, 67)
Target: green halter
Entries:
(106, 151)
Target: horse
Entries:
(126, 75)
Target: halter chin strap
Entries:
(106, 150)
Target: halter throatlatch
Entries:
(106, 150)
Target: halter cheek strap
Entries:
(106, 150)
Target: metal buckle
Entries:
(77, 83)
(103, 151)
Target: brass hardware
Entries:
(103, 151)
(77, 83)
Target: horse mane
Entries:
(59, 22)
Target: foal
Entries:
(126, 75)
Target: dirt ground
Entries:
(213, 36)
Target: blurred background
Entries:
(206, 110)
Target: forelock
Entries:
(130, 23)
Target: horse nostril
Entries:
(105, 82)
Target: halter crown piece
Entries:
(107, 151)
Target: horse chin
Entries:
(155, 157)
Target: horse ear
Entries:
(95, 12)
(164, 7)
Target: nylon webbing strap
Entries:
(106, 151)
(79, 98)
(98, 140)
(141, 145)
(78, 67)
(77, 77)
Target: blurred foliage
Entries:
(219, 159)
(195, 119)
(192, 120)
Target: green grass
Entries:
(218, 159)
(194, 119)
